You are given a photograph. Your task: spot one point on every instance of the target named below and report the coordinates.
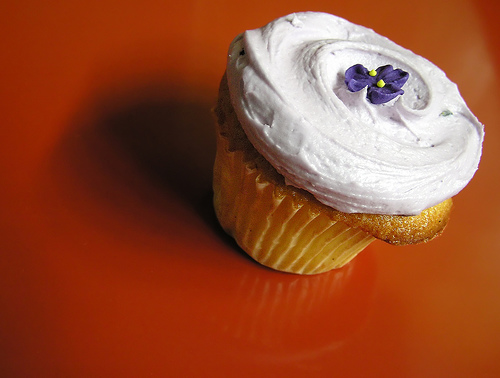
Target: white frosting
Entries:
(287, 86)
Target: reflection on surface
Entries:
(284, 316)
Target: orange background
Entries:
(111, 261)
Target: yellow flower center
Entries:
(380, 83)
(372, 73)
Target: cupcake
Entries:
(330, 136)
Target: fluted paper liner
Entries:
(274, 229)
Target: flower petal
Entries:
(397, 77)
(379, 96)
(357, 77)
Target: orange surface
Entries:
(111, 261)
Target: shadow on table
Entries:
(147, 146)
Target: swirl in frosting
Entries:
(287, 85)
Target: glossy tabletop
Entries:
(111, 260)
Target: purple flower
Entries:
(384, 83)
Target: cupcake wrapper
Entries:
(271, 227)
